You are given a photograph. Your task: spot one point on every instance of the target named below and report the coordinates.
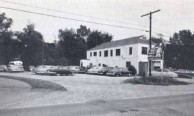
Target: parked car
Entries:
(164, 73)
(75, 69)
(118, 71)
(61, 71)
(94, 70)
(185, 73)
(3, 68)
(31, 68)
(104, 70)
(15, 66)
(44, 70)
(83, 70)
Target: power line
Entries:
(60, 11)
(79, 20)
(55, 16)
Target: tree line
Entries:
(179, 54)
(29, 45)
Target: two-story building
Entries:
(121, 53)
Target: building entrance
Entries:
(143, 68)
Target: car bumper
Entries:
(16, 70)
(110, 74)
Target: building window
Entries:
(130, 50)
(111, 52)
(144, 50)
(118, 52)
(106, 53)
(95, 53)
(99, 53)
(90, 54)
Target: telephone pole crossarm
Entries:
(150, 13)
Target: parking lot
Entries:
(84, 88)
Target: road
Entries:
(177, 105)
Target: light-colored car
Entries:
(94, 70)
(75, 69)
(185, 73)
(44, 70)
(104, 70)
(164, 73)
(15, 66)
(31, 68)
(3, 68)
(119, 71)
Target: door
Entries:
(143, 68)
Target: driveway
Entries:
(84, 88)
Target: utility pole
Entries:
(150, 42)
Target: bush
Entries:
(132, 69)
(155, 81)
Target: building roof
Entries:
(127, 41)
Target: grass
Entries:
(155, 81)
(37, 83)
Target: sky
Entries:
(174, 15)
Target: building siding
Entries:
(121, 60)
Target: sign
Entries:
(156, 52)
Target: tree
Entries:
(32, 52)
(5, 38)
(70, 46)
(158, 39)
(50, 54)
(83, 32)
(179, 54)
(96, 38)
(184, 37)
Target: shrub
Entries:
(132, 69)
(155, 81)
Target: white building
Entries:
(122, 53)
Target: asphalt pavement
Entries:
(176, 105)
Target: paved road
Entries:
(181, 105)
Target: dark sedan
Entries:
(118, 71)
(61, 71)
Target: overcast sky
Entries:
(175, 15)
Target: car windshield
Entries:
(11, 63)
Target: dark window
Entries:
(130, 51)
(90, 54)
(118, 52)
(144, 50)
(106, 53)
(100, 53)
(111, 53)
(128, 64)
(95, 53)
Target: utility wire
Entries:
(55, 16)
(60, 11)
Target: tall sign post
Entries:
(150, 41)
